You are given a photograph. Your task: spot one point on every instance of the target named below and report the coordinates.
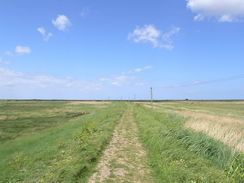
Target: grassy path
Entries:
(124, 160)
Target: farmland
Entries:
(88, 141)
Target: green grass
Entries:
(67, 152)
(56, 141)
(19, 118)
(177, 155)
(199, 143)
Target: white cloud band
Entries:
(222, 10)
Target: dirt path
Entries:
(124, 160)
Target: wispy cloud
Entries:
(140, 69)
(45, 35)
(62, 22)
(203, 82)
(222, 10)
(84, 12)
(125, 77)
(10, 78)
(3, 62)
(118, 80)
(8, 53)
(150, 34)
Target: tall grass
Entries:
(67, 153)
(222, 121)
(179, 155)
(201, 144)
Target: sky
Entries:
(93, 49)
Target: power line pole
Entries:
(151, 90)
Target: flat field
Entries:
(89, 141)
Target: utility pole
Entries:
(151, 90)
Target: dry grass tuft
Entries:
(3, 117)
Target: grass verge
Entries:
(180, 155)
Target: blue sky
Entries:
(93, 49)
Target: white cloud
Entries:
(22, 50)
(62, 22)
(41, 30)
(150, 34)
(46, 35)
(222, 10)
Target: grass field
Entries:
(77, 141)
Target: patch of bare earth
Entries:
(125, 159)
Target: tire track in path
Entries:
(124, 160)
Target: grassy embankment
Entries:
(64, 148)
(177, 154)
